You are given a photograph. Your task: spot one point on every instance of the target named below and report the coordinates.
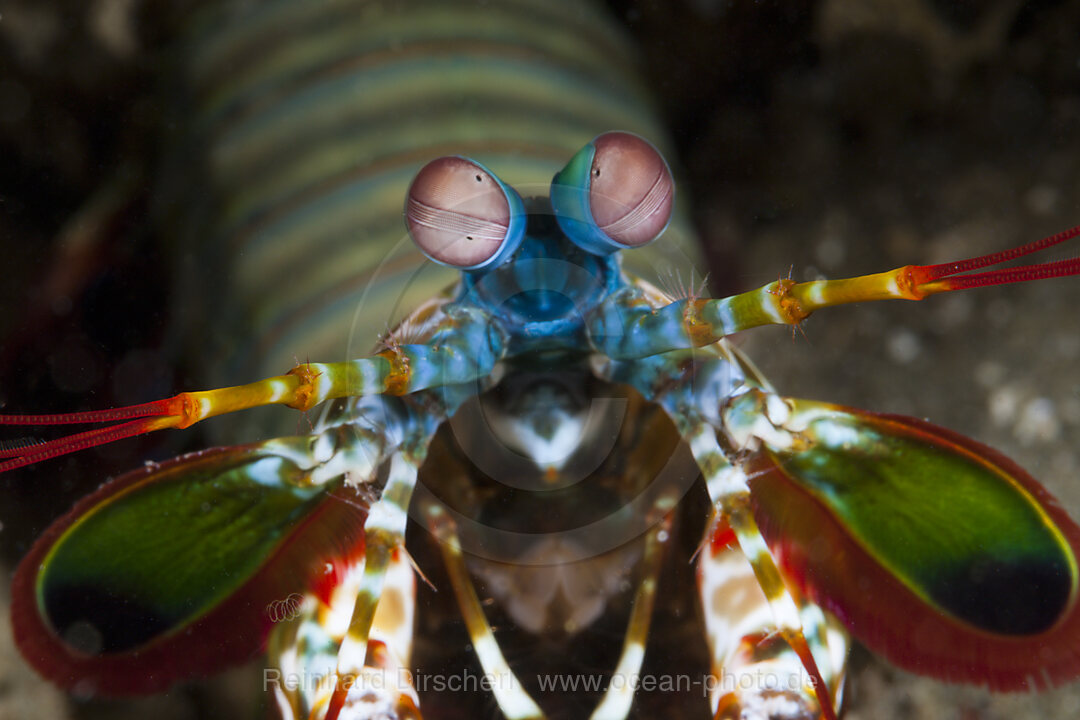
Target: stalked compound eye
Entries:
(460, 214)
(616, 193)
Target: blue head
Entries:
(541, 265)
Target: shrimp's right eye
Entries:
(460, 214)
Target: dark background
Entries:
(827, 138)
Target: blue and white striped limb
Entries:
(384, 531)
(626, 325)
(354, 442)
(693, 387)
(463, 346)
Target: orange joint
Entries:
(787, 303)
(909, 283)
(184, 411)
(697, 329)
(304, 395)
(397, 379)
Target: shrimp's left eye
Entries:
(460, 214)
(616, 193)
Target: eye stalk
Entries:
(460, 214)
(615, 193)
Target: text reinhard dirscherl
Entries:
(468, 682)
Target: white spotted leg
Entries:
(730, 493)
(384, 535)
(302, 649)
(755, 673)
